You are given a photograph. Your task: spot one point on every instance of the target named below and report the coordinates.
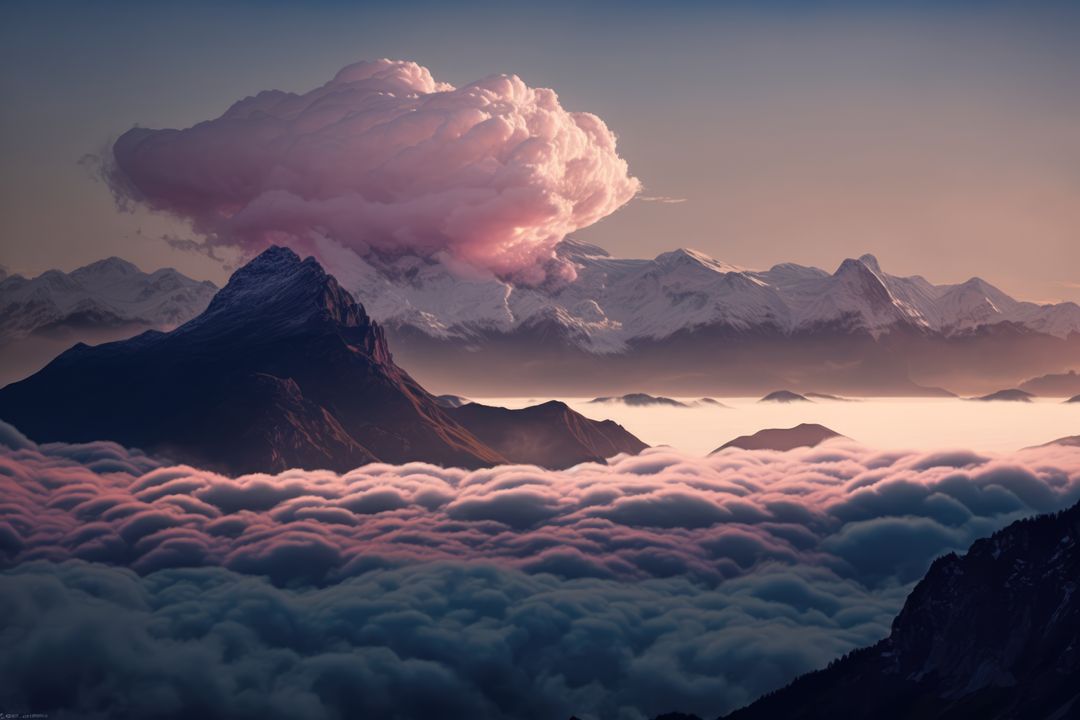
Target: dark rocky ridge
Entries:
(283, 369)
(992, 634)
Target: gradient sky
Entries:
(943, 137)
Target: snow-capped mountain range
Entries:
(616, 301)
(109, 293)
(679, 324)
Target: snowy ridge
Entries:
(107, 293)
(615, 301)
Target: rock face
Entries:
(283, 369)
(782, 439)
(991, 634)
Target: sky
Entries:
(941, 137)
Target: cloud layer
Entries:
(878, 518)
(443, 640)
(383, 159)
(658, 582)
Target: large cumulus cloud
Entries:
(383, 159)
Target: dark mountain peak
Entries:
(277, 294)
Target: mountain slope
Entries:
(283, 368)
(550, 434)
(991, 634)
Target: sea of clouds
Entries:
(657, 582)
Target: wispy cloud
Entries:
(665, 199)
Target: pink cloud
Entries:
(383, 159)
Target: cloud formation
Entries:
(384, 159)
(658, 582)
(878, 518)
(438, 640)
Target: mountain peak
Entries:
(871, 262)
(277, 292)
(108, 266)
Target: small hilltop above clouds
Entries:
(1010, 395)
(646, 400)
(784, 396)
(782, 439)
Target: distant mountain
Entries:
(992, 634)
(1011, 395)
(107, 300)
(782, 439)
(783, 396)
(1054, 385)
(1074, 399)
(107, 293)
(283, 369)
(641, 400)
(686, 324)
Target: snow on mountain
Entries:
(107, 293)
(615, 301)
